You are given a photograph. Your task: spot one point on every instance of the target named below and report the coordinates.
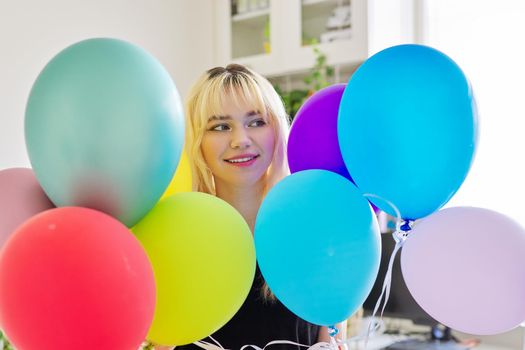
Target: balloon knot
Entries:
(332, 331)
(406, 226)
(401, 234)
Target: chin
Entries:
(247, 180)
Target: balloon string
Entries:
(318, 346)
(333, 345)
(332, 332)
(399, 236)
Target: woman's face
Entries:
(238, 145)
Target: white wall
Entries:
(391, 22)
(177, 32)
(486, 39)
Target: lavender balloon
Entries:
(313, 142)
(464, 266)
(21, 197)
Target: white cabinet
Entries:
(274, 36)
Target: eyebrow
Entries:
(228, 117)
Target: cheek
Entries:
(269, 141)
(209, 148)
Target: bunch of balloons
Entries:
(404, 130)
(104, 131)
(103, 246)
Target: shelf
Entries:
(272, 41)
(251, 16)
(316, 14)
(315, 2)
(250, 33)
(323, 3)
(343, 71)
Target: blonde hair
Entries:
(207, 98)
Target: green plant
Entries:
(5, 345)
(318, 78)
(320, 74)
(292, 100)
(147, 346)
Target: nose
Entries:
(240, 139)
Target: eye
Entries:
(220, 127)
(258, 123)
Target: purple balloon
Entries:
(313, 141)
(21, 197)
(465, 267)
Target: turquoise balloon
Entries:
(407, 129)
(318, 245)
(104, 128)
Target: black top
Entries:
(261, 321)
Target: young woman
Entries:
(236, 136)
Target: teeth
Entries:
(240, 160)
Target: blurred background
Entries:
(301, 46)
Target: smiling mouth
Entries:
(241, 160)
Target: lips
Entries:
(244, 158)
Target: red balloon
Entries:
(75, 278)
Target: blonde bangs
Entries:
(239, 90)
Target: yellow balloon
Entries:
(181, 181)
(203, 256)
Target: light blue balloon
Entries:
(104, 128)
(318, 245)
(407, 129)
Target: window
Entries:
(486, 38)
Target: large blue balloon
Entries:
(104, 128)
(408, 128)
(318, 245)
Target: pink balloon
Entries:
(466, 268)
(75, 278)
(21, 197)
